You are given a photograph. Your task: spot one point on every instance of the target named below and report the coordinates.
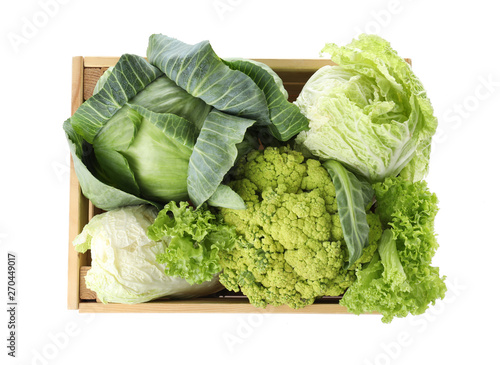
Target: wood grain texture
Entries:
(76, 83)
(100, 61)
(85, 293)
(78, 204)
(277, 64)
(90, 77)
(205, 306)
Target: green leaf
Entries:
(225, 197)
(164, 96)
(393, 270)
(370, 112)
(159, 154)
(129, 76)
(171, 125)
(102, 195)
(400, 279)
(352, 198)
(214, 153)
(286, 118)
(195, 240)
(199, 71)
(102, 80)
(146, 157)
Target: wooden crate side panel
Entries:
(205, 306)
(221, 299)
(78, 204)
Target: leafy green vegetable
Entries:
(400, 279)
(147, 147)
(144, 147)
(286, 117)
(370, 112)
(173, 132)
(195, 240)
(353, 196)
(225, 197)
(101, 194)
(291, 248)
(102, 80)
(393, 270)
(142, 143)
(214, 154)
(122, 84)
(199, 71)
(124, 267)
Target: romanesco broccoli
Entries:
(291, 248)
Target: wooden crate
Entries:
(86, 72)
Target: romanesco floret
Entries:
(291, 248)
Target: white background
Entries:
(454, 46)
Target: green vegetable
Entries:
(353, 197)
(124, 267)
(291, 248)
(199, 71)
(400, 279)
(138, 132)
(100, 193)
(286, 118)
(138, 154)
(218, 137)
(173, 128)
(195, 240)
(370, 112)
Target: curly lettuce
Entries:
(400, 279)
(194, 241)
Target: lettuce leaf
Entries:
(194, 240)
(400, 279)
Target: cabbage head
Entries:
(369, 111)
(124, 260)
(170, 128)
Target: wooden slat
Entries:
(78, 210)
(295, 66)
(90, 77)
(278, 65)
(76, 83)
(85, 293)
(100, 61)
(205, 306)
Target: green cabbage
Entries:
(170, 128)
(124, 266)
(370, 112)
